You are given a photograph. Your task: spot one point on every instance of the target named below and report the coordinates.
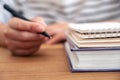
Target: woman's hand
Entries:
(22, 38)
(57, 31)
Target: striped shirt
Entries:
(76, 11)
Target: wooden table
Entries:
(51, 63)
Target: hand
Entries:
(57, 31)
(21, 37)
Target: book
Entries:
(93, 46)
(85, 61)
(96, 30)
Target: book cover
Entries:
(73, 61)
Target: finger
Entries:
(55, 39)
(39, 20)
(12, 45)
(24, 52)
(22, 35)
(22, 25)
(50, 30)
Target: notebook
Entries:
(96, 30)
(74, 47)
(94, 42)
(84, 61)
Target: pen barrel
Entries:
(16, 14)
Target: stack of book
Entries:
(93, 46)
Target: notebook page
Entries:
(95, 27)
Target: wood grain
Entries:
(50, 63)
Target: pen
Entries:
(16, 14)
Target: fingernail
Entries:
(42, 22)
(40, 28)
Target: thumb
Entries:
(22, 25)
(55, 39)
